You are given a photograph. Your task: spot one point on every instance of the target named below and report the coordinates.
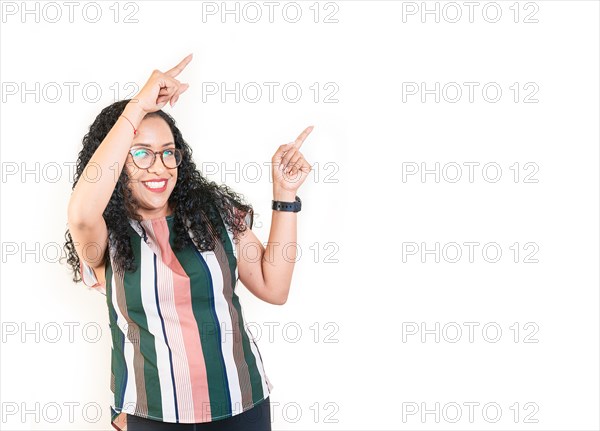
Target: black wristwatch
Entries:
(287, 206)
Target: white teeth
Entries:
(155, 184)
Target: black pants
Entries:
(258, 418)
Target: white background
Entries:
(362, 210)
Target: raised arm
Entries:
(269, 278)
(99, 178)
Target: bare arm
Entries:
(95, 187)
(99, 178)
(267, 272)
(269, 275)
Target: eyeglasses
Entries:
(144, 158)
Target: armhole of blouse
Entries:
(229, 232)
(249, 219)
(89, 278)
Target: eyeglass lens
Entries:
(144, 158)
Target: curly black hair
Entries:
(204, 204)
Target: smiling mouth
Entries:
(155, 186)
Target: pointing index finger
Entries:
(179, 68)
(300, 139)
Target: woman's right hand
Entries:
(162, 88)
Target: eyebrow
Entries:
(150, 146)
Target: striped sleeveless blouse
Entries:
(180, 349)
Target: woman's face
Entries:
(153, 134)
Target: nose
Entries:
(158, 165)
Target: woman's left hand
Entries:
(290, 168)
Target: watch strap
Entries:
(287, 206)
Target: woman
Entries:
(167, 247)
